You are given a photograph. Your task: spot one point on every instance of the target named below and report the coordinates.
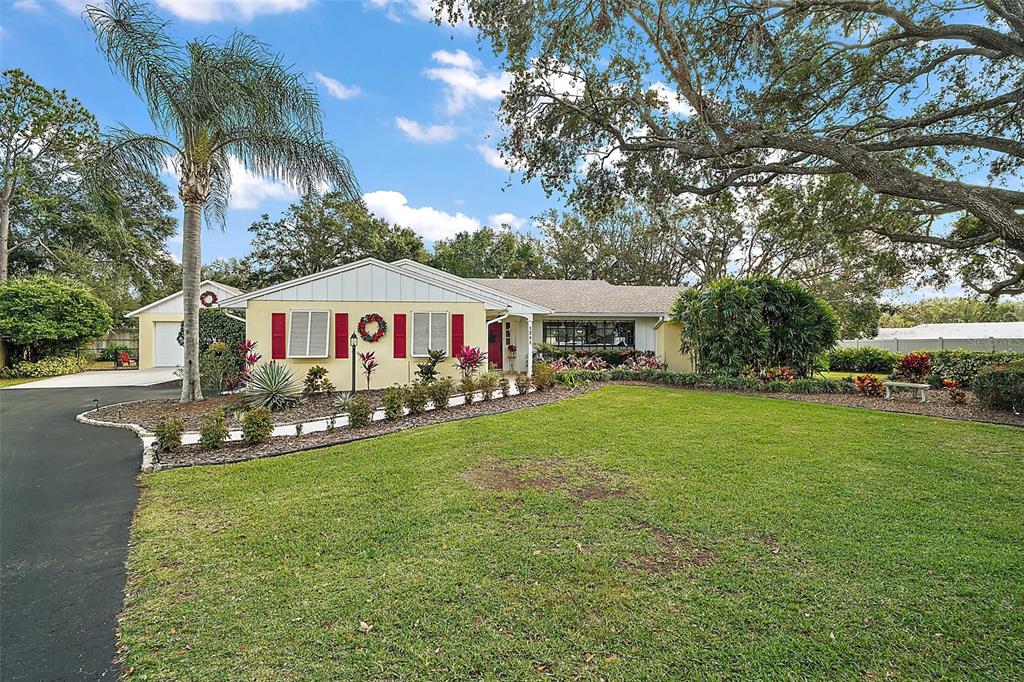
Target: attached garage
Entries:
(160, 321)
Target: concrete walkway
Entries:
(67, 495)
(105, 378)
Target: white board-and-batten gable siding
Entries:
(176, 302)
(367, 283)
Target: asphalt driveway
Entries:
(67, 494)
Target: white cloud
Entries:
(31, 5)
(466, 80)
(337, 89)
(506, 218)
(425, 220)
(222, 10)
(434, 134)
(493, 158)
(249, 191)
(676, 103)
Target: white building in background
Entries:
(977, 336)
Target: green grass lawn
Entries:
(631, 533)
(14, 382)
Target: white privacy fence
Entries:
(911, 345)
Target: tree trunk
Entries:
(5, 236)
(191, 390)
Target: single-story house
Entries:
(160, 322)
(311, 320)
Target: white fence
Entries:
(911, 345)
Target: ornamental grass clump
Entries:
(272, 386)
(213, 430)
(257, 425)
(441, 392)
(168, 432)
(394, 402)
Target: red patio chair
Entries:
(125, 360)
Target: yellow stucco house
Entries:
(316, 319)
(160, 322)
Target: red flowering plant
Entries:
(915, 367)
(469, 359)
(780, 373)
(868, 385)
(957, 394)
(370, 365)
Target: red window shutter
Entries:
(278, 323)
(398, 334)
(341, 335)
(458, 334)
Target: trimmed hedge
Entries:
(865, 359)
(52, 366)
(575, 377)
(964, 365)
(1001, 387)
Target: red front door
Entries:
(494, 353)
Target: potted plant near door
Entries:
(511, 350)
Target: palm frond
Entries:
(134, 40)
(216, 207)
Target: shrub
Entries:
(257, 425)
(914, 367)
(739, 325)
(963, 365)
(168, 433)
(487, 383)
(113, 353)
(612, 357)
(427, 371)
(804, 386)
(359, 411)
(47, 367)
(213, 430)
(468, 388)
(781, 373)
(864, 359)
(543, 376)
(440, 392)
(416, 397)
(216, 325)
(272, 386)
(469, 359)
(47, 316)
(505, 386)
(868, 385)
(524, 382)
(957, 395)
(394, 402)
(642, 361)
(317, 381)
(1001, 387)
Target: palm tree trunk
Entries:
(191, 389)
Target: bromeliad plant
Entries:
(370, 365)
(272, 386)
(469, 360)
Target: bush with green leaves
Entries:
(359, 411)
(43, 316)
(543, 376)
(524, 382)
(441, 391)
(168, 432)
(417, 397)
(963, 365)
(113, 353)
(1001, 387)
(257, 425)
(213, 430)
(272, 386)
(55, 365)
(468, 387)
(738, 326)
(216, 326)
(863, 359)
(316, 381)
(427, 370)
(487, 384)
(505, 386)
(393, 401)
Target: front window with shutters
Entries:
(307, 333)
(429, 332)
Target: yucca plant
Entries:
(272, 386)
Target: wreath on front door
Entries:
(378, 334)
(207, 298)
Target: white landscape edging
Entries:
(148, 438)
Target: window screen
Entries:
(307, 335)
(429, 332)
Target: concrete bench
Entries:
(922, 389)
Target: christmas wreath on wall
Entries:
(378, 334)
(207, 298)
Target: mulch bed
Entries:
(193, 455)
(147, 413)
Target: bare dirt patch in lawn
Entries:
(581, 483)
(672, 552)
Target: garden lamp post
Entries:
(352, 341)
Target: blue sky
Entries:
(410, 103)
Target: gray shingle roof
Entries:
(588, 296)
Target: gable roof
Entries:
(513, 303)
(168, 299)
(589, 296)
(370, 279)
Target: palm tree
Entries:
(210, 102)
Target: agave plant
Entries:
(272, 386)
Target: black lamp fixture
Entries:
(352, 341)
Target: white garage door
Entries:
(166, 351)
